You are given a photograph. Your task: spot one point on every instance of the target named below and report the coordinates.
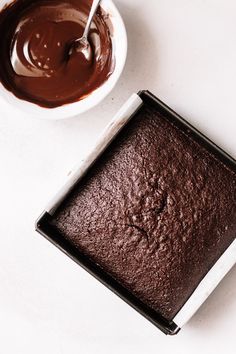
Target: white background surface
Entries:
(185, 52)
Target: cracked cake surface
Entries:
(155, 211)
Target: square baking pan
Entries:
(114, 130)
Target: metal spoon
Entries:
(82, 44)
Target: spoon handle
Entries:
(93, 10)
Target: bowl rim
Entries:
(94, 98)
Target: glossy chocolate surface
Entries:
(156, 211)
(34, 61)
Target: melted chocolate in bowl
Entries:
(34, 61)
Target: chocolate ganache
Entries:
(34, 61)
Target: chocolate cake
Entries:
(155, 211)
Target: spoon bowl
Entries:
(82, 45)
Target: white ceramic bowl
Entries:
(76, 108)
